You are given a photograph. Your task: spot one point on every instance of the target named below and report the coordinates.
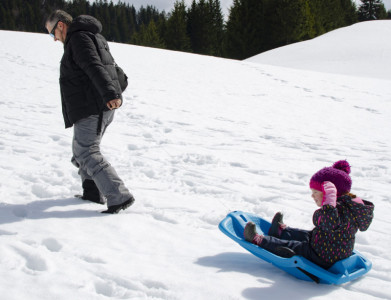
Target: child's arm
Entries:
(327, 216)
(329, 194)
(364, 214)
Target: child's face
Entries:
(317, 196)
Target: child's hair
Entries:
(351, 195)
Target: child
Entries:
(340, 215)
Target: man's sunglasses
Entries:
(51, 33)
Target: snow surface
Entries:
(196, 138)
(362, 49)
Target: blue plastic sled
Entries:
(341, 272)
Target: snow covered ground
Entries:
(196, 138)
(362, 49)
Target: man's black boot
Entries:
(91, 192)
(115, 209)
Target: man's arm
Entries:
(86, 56)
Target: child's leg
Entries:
(297, 240)
(271, 243)
(301, 248)
(295, 234)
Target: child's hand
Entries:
(329, 194)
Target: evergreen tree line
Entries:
(253, 26)
(120, 21)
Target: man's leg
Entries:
(90, 190)
(86, 152)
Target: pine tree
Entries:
(78, 7)
(197, 26)
(350, 12)
(205, 27)
(176, 37)
(124, 28)
(371, 10)
(104, 18)
(2, 16)
(131, 21)
(146, 14)
(29, 18)
(215, 28)
(291, 21)
(332, 14)
(246, 29)
(148, 36)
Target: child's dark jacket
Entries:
(335, 227)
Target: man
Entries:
(90, 91)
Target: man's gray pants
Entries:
(92, 164)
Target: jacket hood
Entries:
(85, 23)
(363, 213)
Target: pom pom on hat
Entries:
(342, 165)
(338, 174)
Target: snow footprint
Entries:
(374, 111)
(55, 138)
(52, 244)
(34, 262)
(4, 232)
(238, 165)
(163, 218)
(92, 260)
(119, 288)
(20, 212)
(133, 147)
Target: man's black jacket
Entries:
(88, 78)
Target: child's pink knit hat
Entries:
(338, 174)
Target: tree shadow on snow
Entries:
(46, 209)
(274, 282)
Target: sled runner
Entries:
(341, 272)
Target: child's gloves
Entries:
(329, 194)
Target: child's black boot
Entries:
(251, 235)
(275, 227)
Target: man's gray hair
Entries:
(59, 15)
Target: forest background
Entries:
(252, 26)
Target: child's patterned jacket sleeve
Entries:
(363, 214)
(326, 218)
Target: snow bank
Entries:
(362, 49)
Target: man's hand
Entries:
(113, 104)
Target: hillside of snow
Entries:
(196, 138)
(362, 50)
